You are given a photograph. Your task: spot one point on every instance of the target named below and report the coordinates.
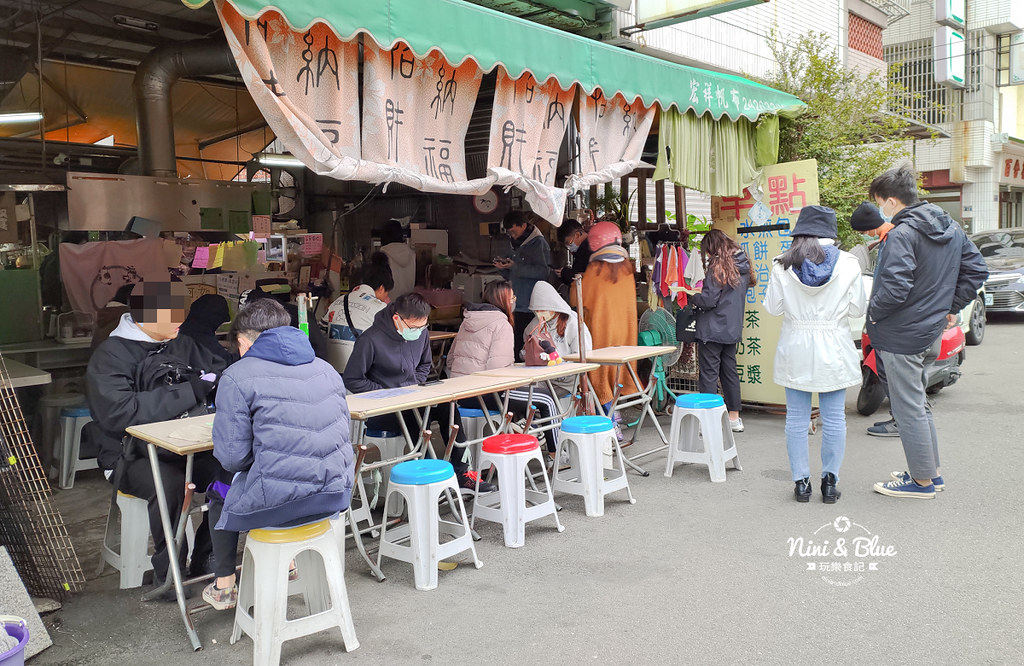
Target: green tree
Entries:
(846, 127)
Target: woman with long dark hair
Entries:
(816, 288)
(719, 308)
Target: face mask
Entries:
(545, 316)
(881, 213)
(572, 247)
(412, 334)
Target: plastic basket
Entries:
(17, 628)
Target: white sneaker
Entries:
(737, 425)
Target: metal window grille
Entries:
(919, 96)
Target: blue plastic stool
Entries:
(700, 434)
(420, 483)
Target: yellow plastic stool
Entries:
(263, 588)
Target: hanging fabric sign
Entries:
(415, 115)
(306, 85)
(528, 123)
(93, 272)
(612, 136)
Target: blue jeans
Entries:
(833, 431)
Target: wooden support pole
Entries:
(659, 201)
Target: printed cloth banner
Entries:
(306, 85)
(528, 123)
(415, 115)
(612, 136)
(93, 272)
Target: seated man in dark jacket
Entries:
(392, 353)
(282, 430)
(141, 374)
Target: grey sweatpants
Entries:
(907, 377)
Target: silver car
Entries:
(1003, 250)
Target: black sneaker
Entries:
(802, 490)
(468, 479)
(885, 429)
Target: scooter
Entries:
(944, 372)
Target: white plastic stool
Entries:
(474, 424)
(72, 420)
(389, 445)
(263, 588)
(704, 413)
(585, 440)
(48, 411)
(513, 505)
(421, 483)
(132, 556)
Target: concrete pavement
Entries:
(694, 572)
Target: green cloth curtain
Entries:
(767, 139)
(720, 158)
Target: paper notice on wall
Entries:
(261, 227)
(416, 112)
(217, 255)
(528, 123)
(312, 244)
(202, 257)
(612, 136)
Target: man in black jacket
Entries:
(572, 236)
(393, 353)
(142, 374)
(928, 272)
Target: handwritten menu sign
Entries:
(261, 226)
(312, 244)
(202, 257)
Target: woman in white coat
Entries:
(816, 288)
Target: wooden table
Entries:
(443, 338)
(185, 437)
(623, 357)
(24, 375)
(545, 373)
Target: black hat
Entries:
(819, 221)
(866, 217)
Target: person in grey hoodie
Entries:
(719, 308)
(928, 272)
(529, 264)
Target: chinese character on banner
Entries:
(416, 111)
(735, 208)
(785, 194)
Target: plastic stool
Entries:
(263, 588)
(584, 439)
(474, 423)
(389, 445)
(72, 420)
(704, 413)
(132, 557)
(515, 505)
(48, 411)
(421, 483)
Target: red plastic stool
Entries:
(514, 504)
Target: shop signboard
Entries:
(659, 13)
(950, 57)
(1017, 58)
(784, 189)
(1011, 170)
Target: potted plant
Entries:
(616, 208)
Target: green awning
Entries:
(463, 30)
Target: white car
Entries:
(972, 317)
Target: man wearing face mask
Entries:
(572, 236)
(395, 352)
(927, 272)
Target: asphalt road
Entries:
(694, 572)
